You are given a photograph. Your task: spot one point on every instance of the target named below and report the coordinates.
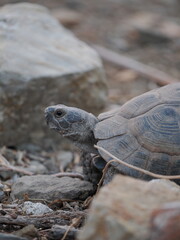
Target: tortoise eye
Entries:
(59, 113)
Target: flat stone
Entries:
(4, 236)
(51, 188)
(42, 64)
(123, 208)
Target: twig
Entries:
(3, 169)
(66, 174)
(3, 161)
(74, 223)
(44, 221)
(12, 206)
(115, 159)
(120, 60)
(20, 156)
(88, 201)
(50, 203)
(6, 164)
(15, 169)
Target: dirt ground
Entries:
(148, 32)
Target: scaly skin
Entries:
(74, 124)
(77, 125)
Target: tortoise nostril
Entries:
(49, 110)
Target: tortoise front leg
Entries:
(91, 170)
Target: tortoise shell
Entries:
(144, 132)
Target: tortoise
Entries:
(144, 132)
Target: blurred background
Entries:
(146, 31)
(43, 63)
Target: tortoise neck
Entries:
(85, 140)
(86, 147)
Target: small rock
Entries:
(7, 174)
(145, 37)
(57, 232)
(36, 168)
(149, 28)
(63, 159)
(30, 148)
(123, 208)
(51, 188)
(166, 222)
(31, 208)
(119, 43)
(28, 231)
(1, 186)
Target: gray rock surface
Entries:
(123, 208)
(4, 236)
(51, 188)
(42, 63)
(31, 208)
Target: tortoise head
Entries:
(73, 123)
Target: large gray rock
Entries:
(123, 209)
(51, 188)
(42, 63)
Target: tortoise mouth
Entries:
(52, 123)
(53, 126)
